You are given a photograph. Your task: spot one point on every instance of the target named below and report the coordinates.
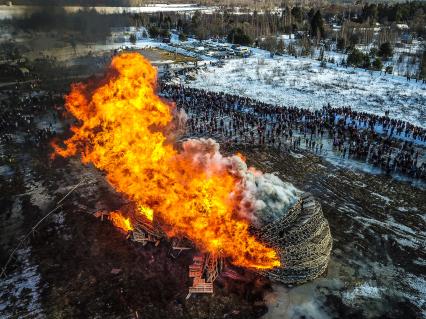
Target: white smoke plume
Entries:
(269, 196)
(263, 197)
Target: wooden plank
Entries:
(197, 269)
(181, 248)
(201, 290)
(195, 274)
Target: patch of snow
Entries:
(386, 199)
(407, 209)
(403, 235)
(38, 195)
(296, 155)
(28, 279)
(418, 284)
(366, 290)
(420, 262)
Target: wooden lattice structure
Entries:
(303, 239)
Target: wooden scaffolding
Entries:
(204, 271)
(145, 230)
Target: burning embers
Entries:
(120, 221)
(128, 131)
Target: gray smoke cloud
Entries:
(270, 196)
(263, 197)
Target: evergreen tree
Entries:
(366, 63)
(317, 25)
(385, 50)
(340, 45)
(321, 56)
(182, 37)
(280, 46)
(238, 36)
(377, 64)
(153, 31)
(132, 39)
(373, 52)
(353, 40)
(297, 13)
(370, 12)
(358, 59)
(422, 72)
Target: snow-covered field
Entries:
(301, 82)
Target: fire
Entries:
(124, 129)
(120, 221)
(147, 212)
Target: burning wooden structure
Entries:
(301, 237)
(125, 130)
(145, 230)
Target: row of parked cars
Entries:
(218, 49)
(224, 51)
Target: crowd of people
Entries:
(21, 114)
(393, 145)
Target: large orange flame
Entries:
(123, 125)
(120, 221)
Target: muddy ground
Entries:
(78, 266)
(378, 262)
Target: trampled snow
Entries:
(302, 82)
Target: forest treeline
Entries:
(356, 23)
(229, 3)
